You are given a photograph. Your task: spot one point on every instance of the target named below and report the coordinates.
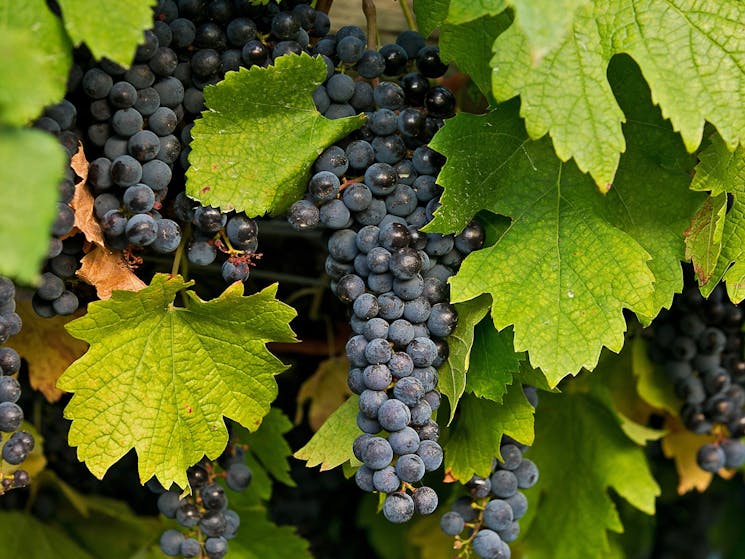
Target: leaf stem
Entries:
(410, 21)
(178, 256)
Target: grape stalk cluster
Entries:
(698, 342)
(206, 524)
(16, 444)
(141, 119)
(55, 294)
(375, 191)
(486, 520)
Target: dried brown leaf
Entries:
(681, 445)
(82, 202)
(326, 390)
(107, 270)
(47, 347)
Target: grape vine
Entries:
(464, 208)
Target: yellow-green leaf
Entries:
(254, 148)
(160, 378)
(119, 37)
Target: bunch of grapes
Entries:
(375, 190)
(490, 513)
(204, 516)
(19, 444)
(699, 344)
(141, 119)
(55, 294)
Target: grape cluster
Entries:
(495, 504)
(19, 444)
(54, 295)
(375, 190)
(205, 517)
(142, 116)
(699, 344)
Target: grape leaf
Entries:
(463, 11)
(117, 40)
(493, 362)
(107, 271)
(692, 53)
(452, 372)
(267, 454)
(331, 445)
(599, 456)
(476, 434)
(47, 347)
(572, 259)
(326, 390)
(723, 171)
(704, 236)
(613, 383)
(33, 165)
(543, 22)
(34, 74)
(270, 447)
(681, 445)
(254, 147)
(652, 383)
(159, 378)
(17, 529)
(472, 57)
(430, 14)
(260, 538)
(110, 529)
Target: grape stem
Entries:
(324, 6)
(368, 8)
(410, 21)
(179, 256)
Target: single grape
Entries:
(452, 523)
(398, 507)
(170, 542)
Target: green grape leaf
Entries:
(472, 57)
(452, 373)
(580, 426)
(34, 74)
(704, 236)
(117, 40)
(476, 434)
(568, 95)
(572, 259)
(463, 11)
(613, 383)
(253, 149)
(494, 362)
(722, 171)
(430, 14)
(33, 166)
(543, 22)
(652, 384)
(331, 445)
(645, 211)
(17, 529)
(160, 378)
(260, 538)
(110, 529)
(269, 445)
